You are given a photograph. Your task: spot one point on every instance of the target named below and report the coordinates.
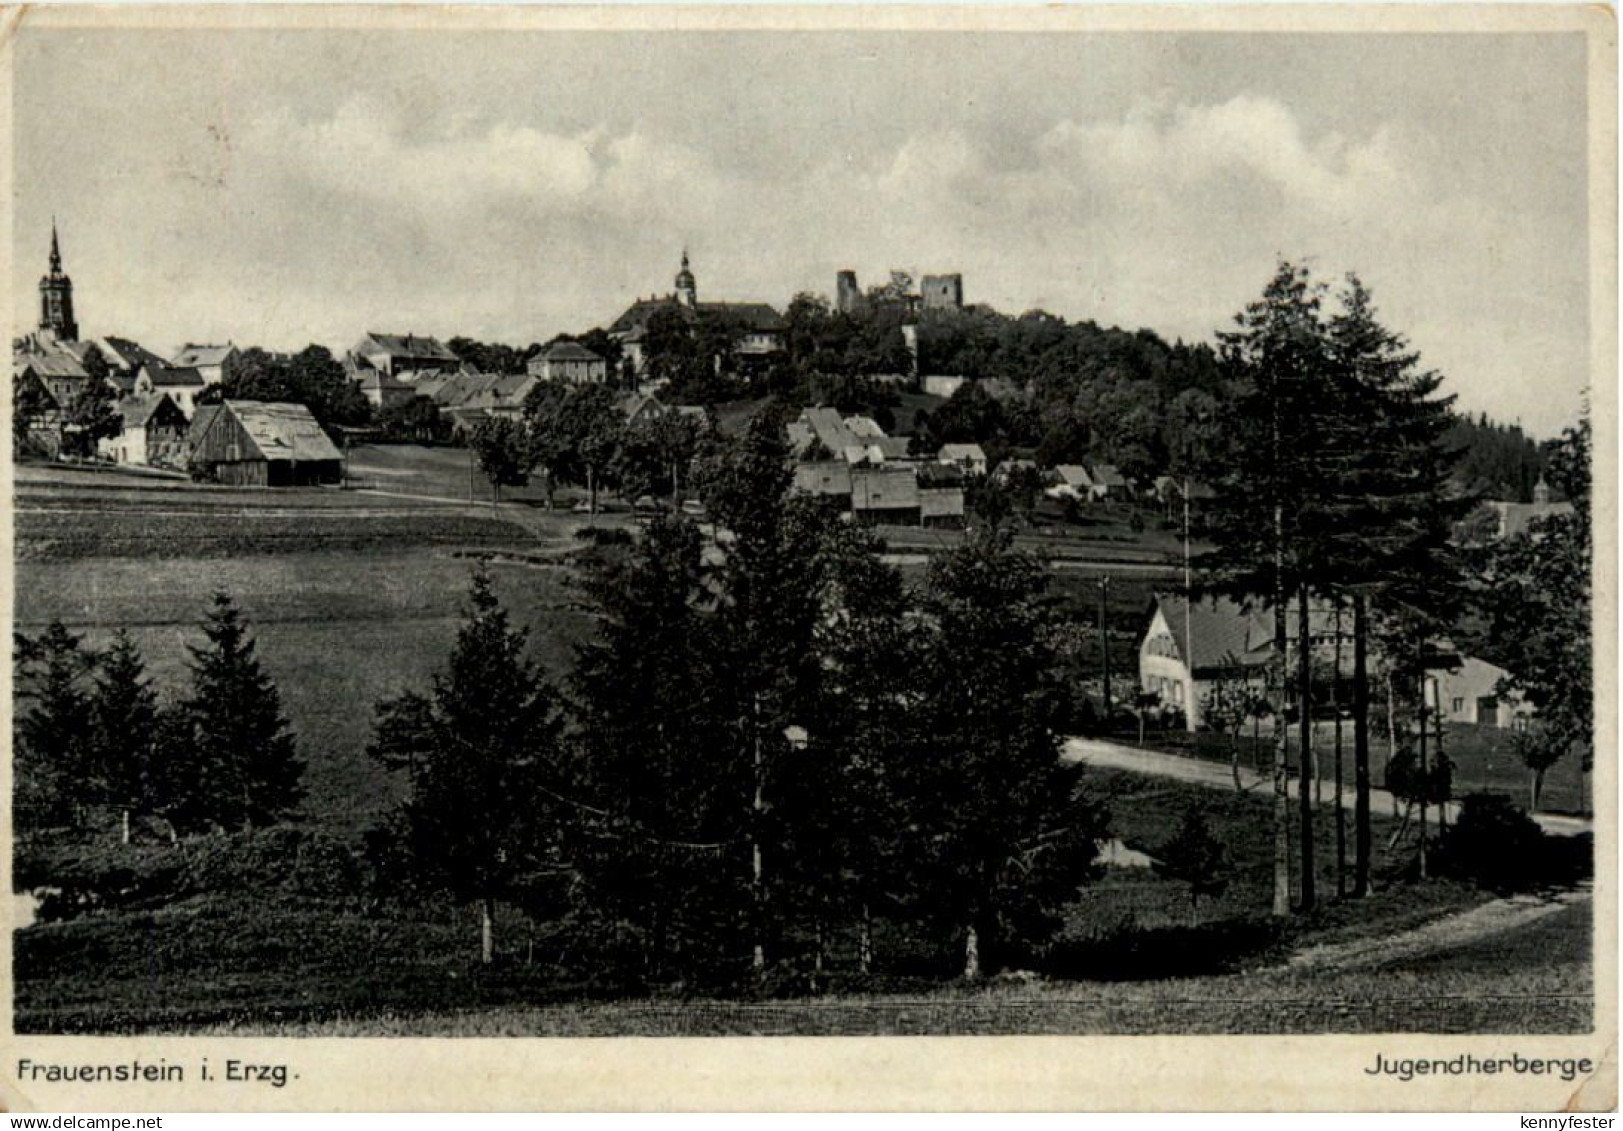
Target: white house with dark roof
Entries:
(569, 362)
(211, 361)
(152, 433)
(183, 385)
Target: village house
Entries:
(152, 433)
(1074, 483)
(1495, 520)
(211, 362)
(262, 444)
(1109, 483)
(394, 353)
(1470, 694)
(968, 458)
(941, 495)
(569, 362)
(124, 360)
(182, 385)
(384, 390)
(1229, 641)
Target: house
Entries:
(639, 407)
(758, 327)
(383, 389)
(968, 458)
(569, 362)
(1495, 520)
(1109, 483)
(262, 444)
(1470, 694)
(941, 495)
(392, 353)
(211, 362)
(59, 372)
(124, 359)
(182, 385)
(886, 494)
(940, 385)
(1074, 483)
(1229, 641)
(827, 479)
(153, 433)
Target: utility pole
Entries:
(1104, 644)
(1335, 705)
(1425, 771)
(1188, 615)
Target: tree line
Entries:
(94, 743)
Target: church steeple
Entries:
(56, 298)
(687, 291)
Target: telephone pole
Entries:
(1104, 644)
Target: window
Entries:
(1177, 691)
(1459, 705)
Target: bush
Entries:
(1129, 954)
(1496, 845)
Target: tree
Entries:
(478, 753)
(125, 709)
(1196, 857)
(503, 451)
(1003, 832)
(417, 420)
(1225, 708)
(247, 758)
(92, 415)
(1265, 523)
(1537, 599)
(487, 357)
(661, 825)
(1390, 512)
(53, 728)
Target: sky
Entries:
(277, 187)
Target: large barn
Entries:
(262, 444)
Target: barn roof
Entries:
(408, 345)
(173, 376)
(283, 431)
(137, 412)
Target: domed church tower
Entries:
(687, 291)
(56, 299)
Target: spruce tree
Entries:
(660, 843)
(126, 719)
(53, 729)
(1393, 508)
(482, 756)
(246, 758)
(1001, 829)
(1267, 523)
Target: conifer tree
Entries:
(246, 758)
(480, 752)
(53, 728)
(1002, 830)
(659, 843)
(126, 719)
(1271, 480)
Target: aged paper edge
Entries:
(1145, 1073)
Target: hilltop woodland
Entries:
(773, 751)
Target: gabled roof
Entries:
(939, 475)
(971, 453)
(1074, 475)
(759, 317)
(569, 351)
(1107, 475)
(407, 345)
(126, 354)
(891, 447)
(1222, 633)
(199, 355)
(282, 431)
(50, 364)
(172, 376)
(138, 411)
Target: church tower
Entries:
(687, 291)
(56, 299)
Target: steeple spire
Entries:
(56, 297)
(56, 251)
(687, 291)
